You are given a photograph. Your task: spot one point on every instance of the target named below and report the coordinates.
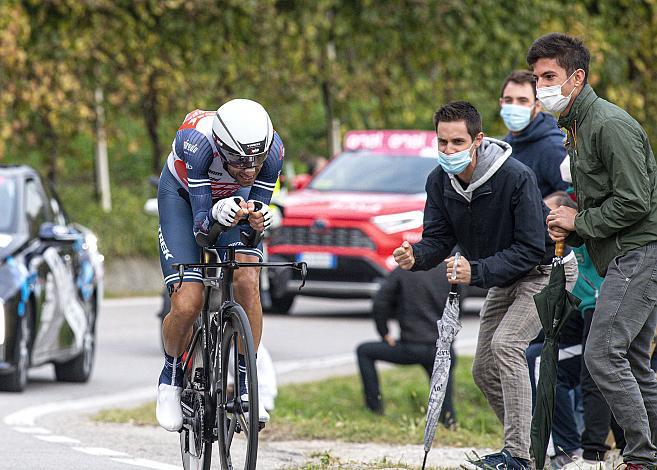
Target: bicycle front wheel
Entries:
(237, 419)
(198, 411)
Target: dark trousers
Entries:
(565, 434)
(597, 415)
(402, 353)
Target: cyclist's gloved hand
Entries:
(229, 211)
(259, 215)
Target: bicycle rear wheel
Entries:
(237, 421)
(198, 411)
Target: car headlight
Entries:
(92, 242)
(2, 322)
(393, 223)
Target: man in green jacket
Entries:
(613, 171)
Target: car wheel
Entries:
(282, 305)
(281, 299)
(79, 368)
(17, 380)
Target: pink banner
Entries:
(394, 141)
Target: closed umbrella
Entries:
(448, 326)
(555, 305)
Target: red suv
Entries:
(352, 215)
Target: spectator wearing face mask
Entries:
(490, 205)
(534, 136)
(615, 179)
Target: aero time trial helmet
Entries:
(243, 133)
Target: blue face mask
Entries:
(516, 117)
(455, 163)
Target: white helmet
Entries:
(243, 133)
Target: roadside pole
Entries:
(102, 166)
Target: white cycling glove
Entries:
(225, 210)
(264, 210)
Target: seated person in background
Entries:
(416, 300)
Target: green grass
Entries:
(327, 461)
(333, 409)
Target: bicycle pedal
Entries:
(261, 426)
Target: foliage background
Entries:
(366, 63)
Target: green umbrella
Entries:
(555, 305)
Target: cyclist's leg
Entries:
(177, 245)
(246, 281)
(186, 303)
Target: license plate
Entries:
(318, 260)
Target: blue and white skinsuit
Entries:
(192, 180)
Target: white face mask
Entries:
(552, 99)
(564, 169)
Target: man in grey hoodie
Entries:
(491, 206)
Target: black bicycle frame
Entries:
(227, 299)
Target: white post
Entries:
(336, 140)
(102, 166)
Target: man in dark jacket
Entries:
(416, 300)
(534, 136)
(615, 179)
(491, 206)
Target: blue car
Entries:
(51, 283)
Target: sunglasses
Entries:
(243, 161)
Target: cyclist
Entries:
(222, 168)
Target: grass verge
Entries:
(333, 410)
(327, 461)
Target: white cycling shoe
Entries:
(168, 410)
(263, 416)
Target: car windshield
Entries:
(8, 202)
(372, 172)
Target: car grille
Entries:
(347, 269)
(338, 236)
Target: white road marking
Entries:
(148, 464)
(284, 367)
(32, 430)
(132, 301)
(28, 416)
(100, 451)
(23, 422)
(58, 439)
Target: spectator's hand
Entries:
(259, 215)
(463, 271)
(404, 256)
(558, 234)
(390, 340)
(560, 222)
(229, 211)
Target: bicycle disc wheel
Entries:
(237, 421)
(195, 440)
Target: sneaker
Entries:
(263, 416)
(579, 463)
(561, 461)
(499, 461)
(168, 410)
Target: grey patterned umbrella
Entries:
(448, 326)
